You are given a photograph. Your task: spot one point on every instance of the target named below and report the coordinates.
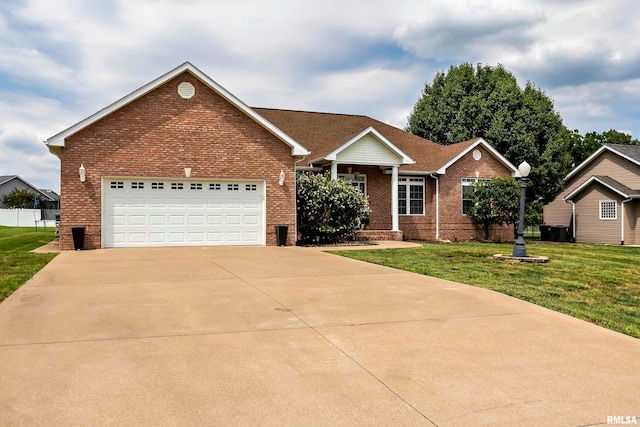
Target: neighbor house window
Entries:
(467, 186)
(608, 209)
(410, 196)
(356, 180)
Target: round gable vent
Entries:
(477, 154)
(186, 90)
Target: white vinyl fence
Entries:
(23, 218)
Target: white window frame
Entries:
(467, 182)
(605, 206)
(407, 182)
(358, 181)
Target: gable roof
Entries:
(55, 142)
(629, 152)
(465, 147)
(6, 178)
(324, 133)
(609, 183)
(350, 140)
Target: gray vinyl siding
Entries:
(558, 212)
(589, 227)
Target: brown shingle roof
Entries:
(322, 133)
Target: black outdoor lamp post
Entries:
(519, 249)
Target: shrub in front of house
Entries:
(329, 211)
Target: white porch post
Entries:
(395, 223)
(334, 170)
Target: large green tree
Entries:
(584, 146)
(521, 123)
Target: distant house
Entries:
(601, 201)
(8, 183)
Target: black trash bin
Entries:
(281, 234)
(563, 235)
(545, 233)
(78, 238)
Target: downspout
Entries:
(437, 204)
(573, 219)
(622, 220)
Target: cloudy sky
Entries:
(62, 60)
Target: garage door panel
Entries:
(157, 212)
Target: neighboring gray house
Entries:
(601, 200)
(8, 183)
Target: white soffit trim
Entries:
(593, 157)
(590, 181)
(296, 148)
(480, 141)
(406, 160)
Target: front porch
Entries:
(376, 235)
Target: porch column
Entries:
(334, 170)
(395, 223)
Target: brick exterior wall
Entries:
(453, 224)
(160, 134)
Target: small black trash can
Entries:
(545, 233)
(281, 234)
(78, 238)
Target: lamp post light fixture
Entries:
(519, 249)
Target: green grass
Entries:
(17, 264)
(596, 283)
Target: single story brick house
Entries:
(601, 200)
(182, 161)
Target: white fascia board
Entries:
(588, 182)
(416, 173)
(480, 141)
(58, 139)
(592, 157)
(405, 159)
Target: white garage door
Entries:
(170, 212)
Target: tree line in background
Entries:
(485, 101)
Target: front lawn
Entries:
(17, 264)
(599, 284)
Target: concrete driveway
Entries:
(293, 336)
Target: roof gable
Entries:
(628, 152)
(473, 144)
(57, 141)
(8, 178)
(606, 182)
(369, 147)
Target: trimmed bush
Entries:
(329, 211)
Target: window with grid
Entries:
(608, 209)
(467, 188)
(410, 196)
(196, 186)
(358, 181)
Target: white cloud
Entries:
(62, 61)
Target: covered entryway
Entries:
(144, 212)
